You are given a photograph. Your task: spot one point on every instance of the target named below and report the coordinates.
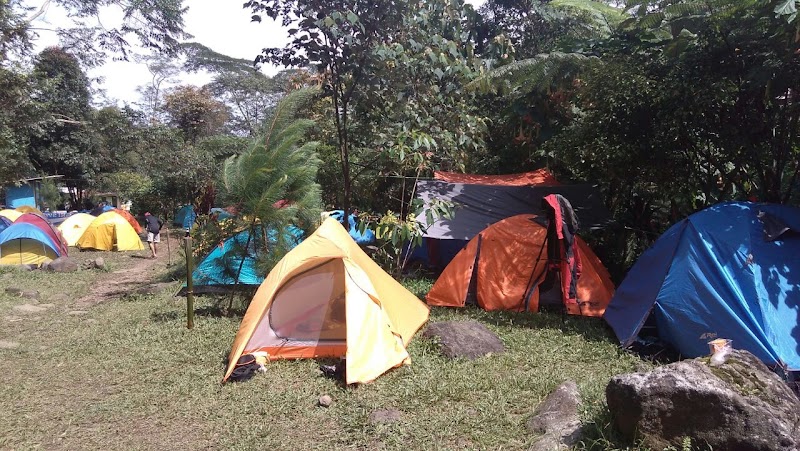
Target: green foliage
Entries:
(193, 111)
(155, 25)
(49, 195)
(272, 184)
(128, 184)
(396, 236)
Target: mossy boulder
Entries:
(739, 405)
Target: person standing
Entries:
(153, 227)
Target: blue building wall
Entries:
(17, 196)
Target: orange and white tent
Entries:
(503, 268)
(327, 298)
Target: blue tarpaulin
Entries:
(717, 274)
(368, 237)
(237, 256)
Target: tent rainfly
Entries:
(108, 232)
(504, 268)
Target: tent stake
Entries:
(189, 285)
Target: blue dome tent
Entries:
(730, 271)
(25, 243)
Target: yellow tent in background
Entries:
(29, 209)
(73, 227)
(108, 232)
(327, 298)
(12, 215)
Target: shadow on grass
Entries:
(211, 311)
(592, 329)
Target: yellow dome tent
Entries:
(73, 227)
(11, 215)
(108, 232)
(327, 298)
(29, 209)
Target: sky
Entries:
(227, 30)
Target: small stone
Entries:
(30, 294)
(77, 312)
(29, 308)
(13, 319)
(465, 339)
(325, 401)
(91, 320)
(99, 263)
(63, 264)
(25, 267)
(5, 344)
(13, 290)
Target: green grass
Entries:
(128, 374)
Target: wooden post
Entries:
(169, 251)
(189, 285)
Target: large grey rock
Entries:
(468, 339)
(62, 264)
(740, 405)
(557, 419)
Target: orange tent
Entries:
(503, 266)
(327, 298)
(538, 177)
(131, 220)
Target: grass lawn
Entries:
(128, 374)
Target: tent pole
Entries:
(241, 264)
(526, 297)
(189, 285)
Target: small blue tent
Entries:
(181, 214)
(368, 237)
(237, 255)
(730, 271)
(221, 213)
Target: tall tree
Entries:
(195, 112)
(62, 143)
(249, 94)
(155, 24)
(338, 40)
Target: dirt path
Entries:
(142, 274)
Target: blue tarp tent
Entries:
(368, 237)
(221, 213)
(730, 271)
(181, 214)
(217, 273)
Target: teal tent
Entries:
(181, 214)
(232, 264)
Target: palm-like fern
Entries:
(538, 74)
(273, 184)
